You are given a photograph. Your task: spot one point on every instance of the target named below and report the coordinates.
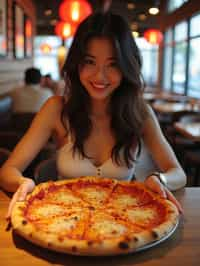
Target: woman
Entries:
(100, 124)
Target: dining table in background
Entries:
(190, 130)
(171, 107)
(167, 96)
(180, 249)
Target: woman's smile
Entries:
(99, 87)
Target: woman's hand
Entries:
(153, 183)
(26, 187)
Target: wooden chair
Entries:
(22, 121)
(47, 152)
(178, 142)
(45, 171)
(6, 104)
(187, 150)
(9, 139)
(192, 163)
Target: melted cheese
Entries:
(108, 228)
(62, 224)
(65, 198)
(124, 201)
(48, 210)
(140, 215)
(93, 195)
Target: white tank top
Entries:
(71, 165)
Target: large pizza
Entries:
(93, 216)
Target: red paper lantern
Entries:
(74, 10)
(64, 29)
(153, 36)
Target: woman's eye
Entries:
(113, 64)
(89, 62)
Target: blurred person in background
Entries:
(30, 97)
(57, 88)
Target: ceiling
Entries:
(46, 22)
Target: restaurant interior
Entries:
(36, 33)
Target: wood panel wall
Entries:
(11, 69)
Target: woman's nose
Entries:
(101, 73)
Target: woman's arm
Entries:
(36, 137)
(162, 153)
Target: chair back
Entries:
(9, 139)
(6, 104)
(4, 154)
(22, 121)
(45, 171)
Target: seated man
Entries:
(30, 97)
(57, 88)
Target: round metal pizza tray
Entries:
(150, 245)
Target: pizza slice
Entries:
(94, 191)
(44, 210)
(57, 228)
(104, 225)
(70, 225)
(57, 194)
(155, 218)
(131, 194)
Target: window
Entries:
(181, 69)
(175, 4)
(167, 68)
(180, 50)
(168, 60)
(46, 60)
(194, 26)
(194, 58)
(149, 55)
(180, 32)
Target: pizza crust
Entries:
(84, 241)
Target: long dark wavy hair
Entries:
(127, 107)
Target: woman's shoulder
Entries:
(56, 101)
(149, 113)
(54, 104)
(150, 120)
(51, 110)
(151, 125)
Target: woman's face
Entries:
(99, 73)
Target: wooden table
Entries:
(169, 97)
(189, 130)
(153, 96)
(171, 108)
(181, 249)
